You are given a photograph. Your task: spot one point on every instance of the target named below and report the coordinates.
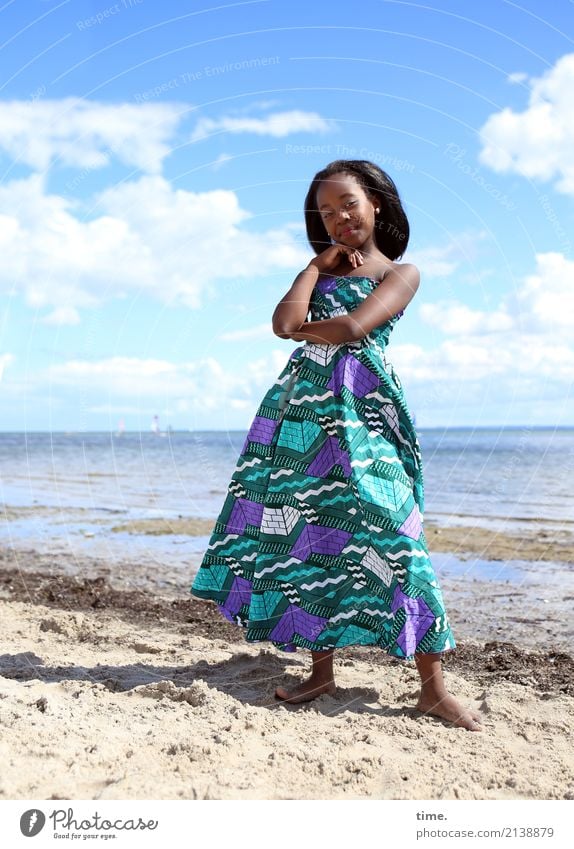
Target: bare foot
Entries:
(450, 709)
(306, 692)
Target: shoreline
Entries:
(468, 540)
(540, 540)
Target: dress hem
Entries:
(289, 647)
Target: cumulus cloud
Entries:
(545, 301)
(458, 319)
(536, 142)
(542, 304)
(465, 361)
(278, 124)
(81, 133)
(141, 236)
(199, 386)
(128, 377)
(521, 349)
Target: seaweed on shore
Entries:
(551, 673)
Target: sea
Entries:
(65, 491)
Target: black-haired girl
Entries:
(320, 543)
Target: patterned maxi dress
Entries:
(319, 543)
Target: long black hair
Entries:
(391, 223)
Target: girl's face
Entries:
(348, 213)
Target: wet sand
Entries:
(534, 545)
(464, 540)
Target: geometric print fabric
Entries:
(319, 543)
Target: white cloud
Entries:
(146, 237)
(193, 391)
(467, 361)
(456, 319)
(522, 348)
(62, 315)
(538, 142)
(433, 261)
(260, 331)
(278, 125)
(543, 304)
(119, 375)
(443, 260)
(5, 360)
(86, 134)
(204, 384)
(517, 77)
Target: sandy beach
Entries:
(112, 691)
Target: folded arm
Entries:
(292, 309)
(392, 295)
(328, 331)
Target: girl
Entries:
(319, 543)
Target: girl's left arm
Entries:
(392, 295)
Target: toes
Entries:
(301, 694)
(286, 696)
(473, 722)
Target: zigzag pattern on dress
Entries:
(319, 543)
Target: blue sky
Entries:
(154, 160)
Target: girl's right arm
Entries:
(291, 311)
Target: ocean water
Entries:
(73, 487)
(518, 474)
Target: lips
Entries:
(347, 231)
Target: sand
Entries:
(119, 693)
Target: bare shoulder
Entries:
(407, 270)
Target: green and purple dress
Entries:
(320, 543)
